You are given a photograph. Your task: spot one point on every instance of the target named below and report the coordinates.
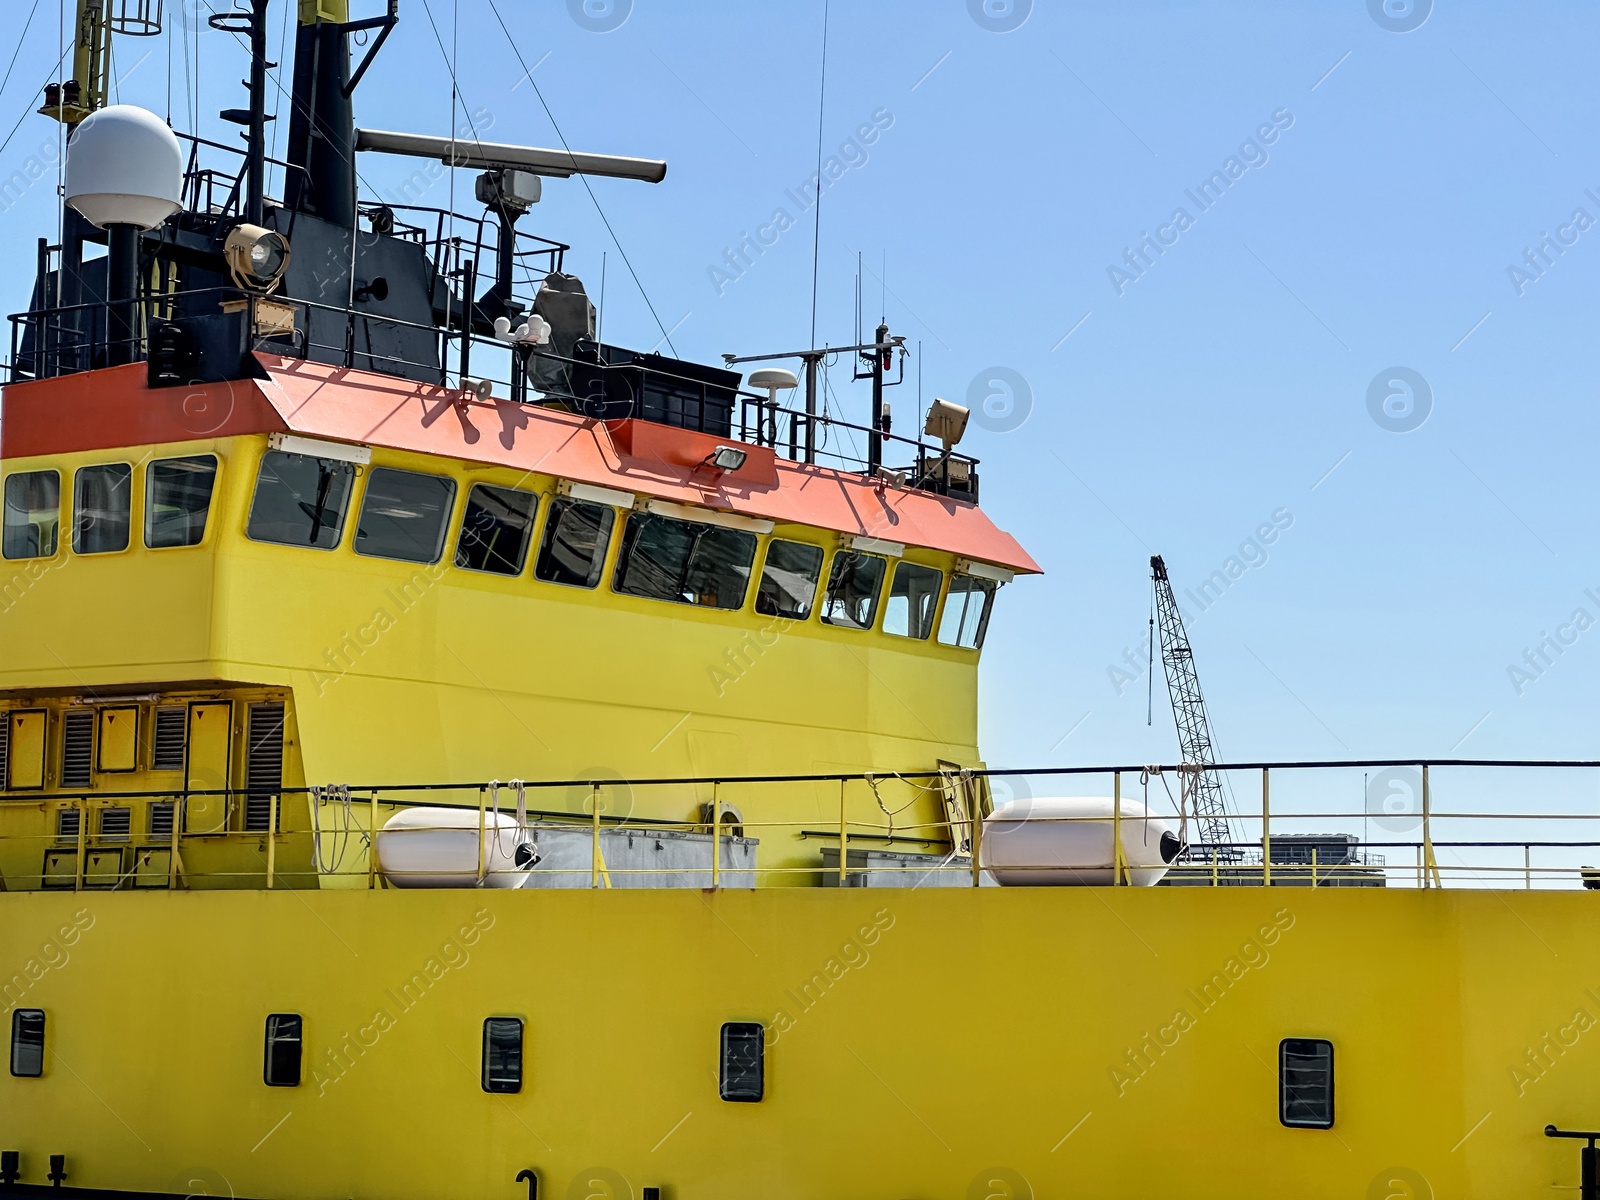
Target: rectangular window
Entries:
(404, 514)
(684, 561)
(789, 580)
(853, 587)
(496, 530)
(101, 515)
(743, 1061)
(966, 612)
(913, 598)
(502, 1055)
(282, 1064)
(1305, 1083)
(77, 747)
(33, 514)
(573, 549)
(171, 728)
(177, 500)
(27, 1043)
(300, 501)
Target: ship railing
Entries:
(66, 339)
(1439, 824)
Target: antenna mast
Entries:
(1194, 727)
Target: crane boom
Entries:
(1194, 727)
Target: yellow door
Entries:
(119, 735)
(26, 770)
(206, 766)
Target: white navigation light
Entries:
(124, 167)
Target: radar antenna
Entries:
(1216, 841)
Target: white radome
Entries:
(124, 167)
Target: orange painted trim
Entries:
(112, 408)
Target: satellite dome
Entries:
(124, 167)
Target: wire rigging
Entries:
(626, 261)
(15, 54)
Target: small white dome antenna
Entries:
(124, 167)
(771, 380)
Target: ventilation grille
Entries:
(77, 748)
(263, 769)
(115, 822)
(161, 818)
(67, 824)
(5, 748)
(171, 726)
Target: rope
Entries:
(872, 783)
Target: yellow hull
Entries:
(940, 1043)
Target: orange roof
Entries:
(113, 408)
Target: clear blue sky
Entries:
(1409, 171)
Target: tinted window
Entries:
(495, 530)
(300, 501)
(100, 508)
(1305, 1083)
(502, 1054)
(789, 580)
(685, 561)
(178, 499)
(33, 514)
(283, 1049)
(27, 1043)
(404, 515)
(913, 597)
(574, 546)
(743, 1061)
(853, 588)
(966, 612)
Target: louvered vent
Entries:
(171, 726)
(161, 818)
(5, 748)
(263, 770)
(67, 824)
(77, 748)
(115, 822)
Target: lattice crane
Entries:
(1194, 727)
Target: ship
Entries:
(444, 753)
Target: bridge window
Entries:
(685, 561)
(100, 508)
(502, 1055)
(743, 1075)
(33, 514)
(913, 597)
(1305, 1083)
(853, 587)
(27, 1043)
(178, 498)
(404, 515)
(283, 1049)
(575, 539)
(300, 501)
(789, 580)
(496, 530)
(966, 612)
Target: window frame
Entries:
(77, 508)
(638, 522)
(344, 514)
(814, 604)
(446, 523)
(18, 1016)
(497, 1087)
(269, 1041)
(528, 544)
(598, 563)
(1283, 1083)
(990, 587)
(149, 507)
(5, 509)
(874, 616)
(743, 1095)
(933, 614)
